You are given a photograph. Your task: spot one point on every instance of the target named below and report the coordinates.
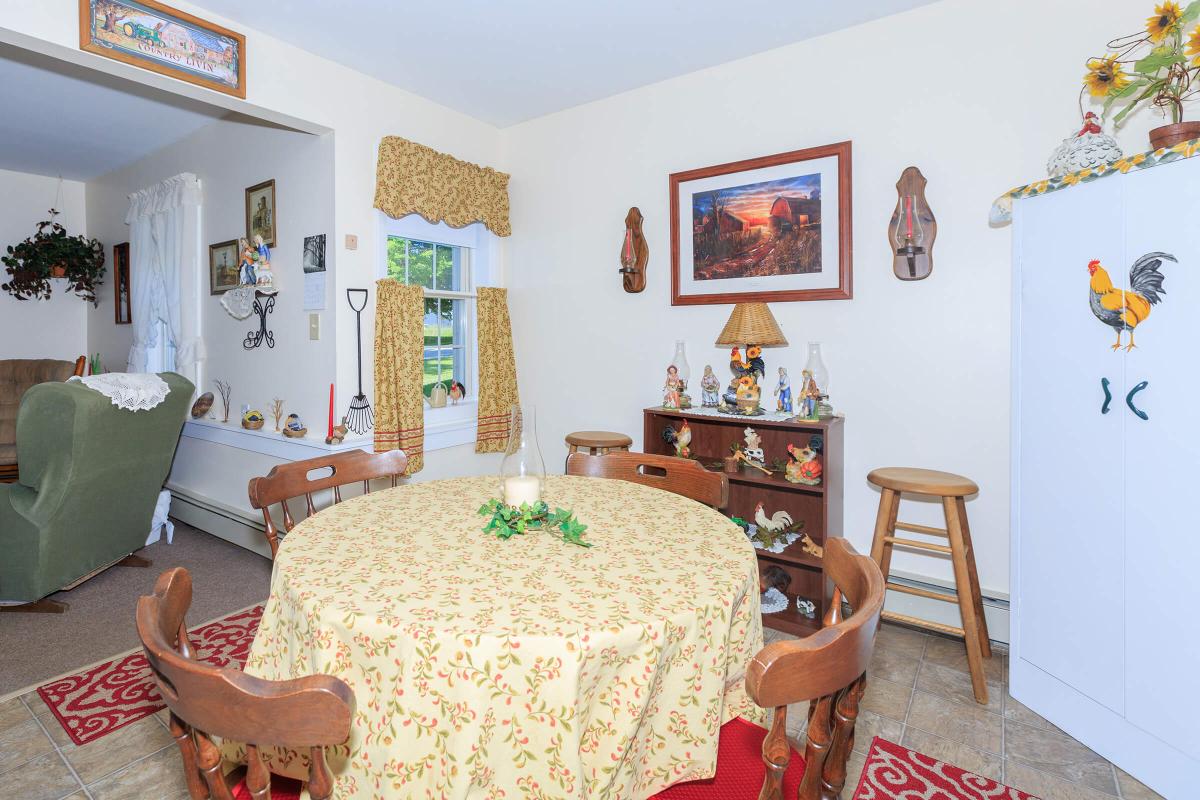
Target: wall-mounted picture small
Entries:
(314, 253)
(121, 285)
(223, 266)
(260, 212)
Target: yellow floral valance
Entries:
(414, 179)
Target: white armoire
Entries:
(1106, 474)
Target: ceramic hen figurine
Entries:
(804, 466)
(1090, 147)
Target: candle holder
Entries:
(912, 229)
(522, 471)
(634, 253)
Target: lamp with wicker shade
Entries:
(752, 325)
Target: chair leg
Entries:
(966, 603)
(985, 642)
(885, 525)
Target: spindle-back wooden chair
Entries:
(288, 481)
(679, 475)
(310, 713)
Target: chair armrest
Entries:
(45, 451)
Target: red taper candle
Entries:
(330, 432)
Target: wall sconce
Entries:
(912, 229)
(634, 253)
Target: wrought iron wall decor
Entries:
(255, 338)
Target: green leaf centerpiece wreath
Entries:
(507, 521)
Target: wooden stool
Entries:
(951, 489)
(597, 443)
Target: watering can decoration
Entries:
(437, 396)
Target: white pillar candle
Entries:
(522, 489)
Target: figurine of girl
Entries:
(710, 386)
(784, 392)
(247, 257)
(265, 280)
(672, 388)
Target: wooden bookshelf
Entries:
(819, 507)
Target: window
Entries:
(160, 357)
(448, 263)
(444, 271)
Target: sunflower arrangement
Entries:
(1157, 65)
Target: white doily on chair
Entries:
(132, 391)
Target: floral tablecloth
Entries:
(526, 668)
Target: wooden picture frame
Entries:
(122, 288)
(265, 192)
(165, 40)
(760, 230)
(223, 275)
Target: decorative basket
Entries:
(253, 425)
(291, 434)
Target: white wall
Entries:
(974, 93)
(228, 156)
(54, 328)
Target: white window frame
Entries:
(453, 425)
(161, 357)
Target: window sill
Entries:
(452, 426)
(269, 442)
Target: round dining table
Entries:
(518, 668)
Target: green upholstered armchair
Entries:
(90, 474)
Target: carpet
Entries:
(99, 624)
(111, 695)
(893, 772)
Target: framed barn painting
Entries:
(769, 229)
(165, 40)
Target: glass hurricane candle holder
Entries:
(522, 471)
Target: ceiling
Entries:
(506, 62)
(60, 119)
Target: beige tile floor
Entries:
(919, 695)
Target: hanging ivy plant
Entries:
(51, 253)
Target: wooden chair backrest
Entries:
(828, 669)
(679, 475)
(313, 712)
(287, 481)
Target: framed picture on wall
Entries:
(121, 285)
(165, 40)
(770, 229)
(223, 267)
(260, 212)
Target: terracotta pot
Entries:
(58, 271)
(1171, 135)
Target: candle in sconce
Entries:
(522, 489)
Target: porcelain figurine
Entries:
(710, 388)
(249, 261)
(753, 451)
(804, 466)
(339, 433)
(672, 389)
(783, 392)
(264, 278)
(679, 439)
(810, 396)
(806, 607)
(253, 420)
(744, 392)
(294, 428)
(457, 392)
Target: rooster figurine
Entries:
(804, 466)
(1091, 147)
(1125, 309)
(681, 439)
(776, 523)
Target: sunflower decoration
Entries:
(1105, 76)
(1155, 66)
(1167, 19)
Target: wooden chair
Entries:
(310, 713)
(828, 669)
(288, 481)
(679, 475)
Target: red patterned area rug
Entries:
(893, 772)
(109, 696)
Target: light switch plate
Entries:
(351, 241)
(314, 327)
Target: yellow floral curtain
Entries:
(497, 370)
(412, 178)
(399, 345)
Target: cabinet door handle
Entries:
(1129, 399)
(1107, 395)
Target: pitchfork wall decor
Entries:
(360, 418)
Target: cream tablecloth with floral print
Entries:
(527, 668)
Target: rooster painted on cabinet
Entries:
(1125, 309)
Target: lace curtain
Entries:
(168, 282)
(414, 179)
